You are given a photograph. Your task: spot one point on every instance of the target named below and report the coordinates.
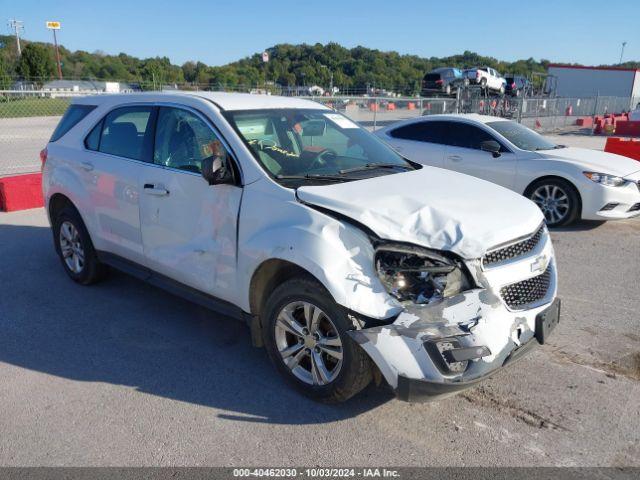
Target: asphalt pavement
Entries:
(122, 373)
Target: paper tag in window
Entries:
(342, 122)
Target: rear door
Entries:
(463, 154)
(188, 226)
(422, 142)
(116, 151)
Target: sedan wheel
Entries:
(554, 203)
(309, 343)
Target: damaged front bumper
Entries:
(437, 350)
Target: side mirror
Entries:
(217, 170)
(492, 147)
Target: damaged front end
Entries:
(461, 320)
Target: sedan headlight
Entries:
(418, 275)
(605, 179)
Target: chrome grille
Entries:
(527, 292)
(515, 250)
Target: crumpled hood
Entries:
(595, 160)
(432, 207)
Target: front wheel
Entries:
(558, 200)
(306, 338)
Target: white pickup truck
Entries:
(486, 77)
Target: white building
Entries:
(577, 81)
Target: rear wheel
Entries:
(558, 200)
(306, 338)
(75, 249)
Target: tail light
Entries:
(43, 158)
(513, 85)
(439, 82)
(477, 73)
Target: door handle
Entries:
(455, 158)
(88, 166)
(157, 190)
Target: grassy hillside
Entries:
(354, 68)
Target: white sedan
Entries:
(567, 183)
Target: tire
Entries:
(75, 249)
(447, 89)
(565, 210)
(483, 83)
(501, 90)
(286, 311)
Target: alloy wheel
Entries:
(553, 201)
(71, 247)
(309, 343)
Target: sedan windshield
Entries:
(301, 146)
(522, 137)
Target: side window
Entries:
(71, 118)
(430, 131)
(463, 135)
(183, 140)
(124, 131)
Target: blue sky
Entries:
(218, 32)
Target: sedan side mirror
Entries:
(217, 170)
(492, 147)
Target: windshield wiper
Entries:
(372, 166)
(313, 176)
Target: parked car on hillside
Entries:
(517, 85)
(487, 77)
(347, 261)
(567, 183)
(446, 80)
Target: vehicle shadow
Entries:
(580, 226)
(125, 332)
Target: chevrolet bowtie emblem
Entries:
(539, 265)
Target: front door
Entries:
(463, 154)
(188, 226)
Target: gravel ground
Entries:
(122, 373)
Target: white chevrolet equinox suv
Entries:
(348, 262)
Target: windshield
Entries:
(522, 137)
(312, 145)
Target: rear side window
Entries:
(432, 132)
(71, 117)
(124, 132)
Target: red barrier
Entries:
(584, 122)
(631, 129)
(21, 192)
(621, 146)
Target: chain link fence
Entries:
(27, 118)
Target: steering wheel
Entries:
(319, 160)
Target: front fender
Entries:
(337, 254)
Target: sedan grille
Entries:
(520, 295)
(515, 250)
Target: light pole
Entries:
(56, 26)
(624, 44)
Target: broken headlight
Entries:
(418, 275)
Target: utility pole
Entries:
(624, 44)
(17, 26)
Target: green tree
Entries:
(36, 62)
